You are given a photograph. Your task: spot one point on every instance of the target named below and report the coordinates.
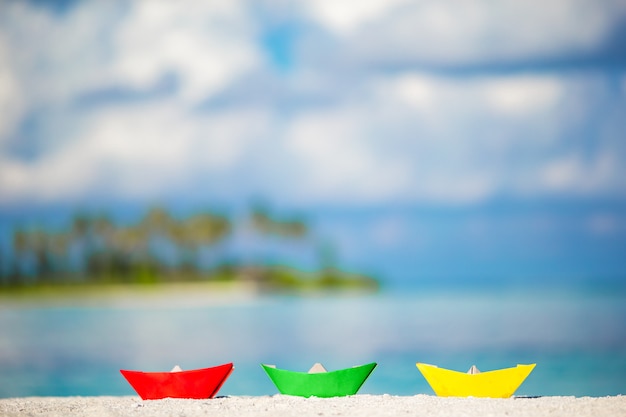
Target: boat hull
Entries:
(198, 383)
(325, 384)
(501, 383)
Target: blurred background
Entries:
(329, 180)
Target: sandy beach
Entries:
(288, 406)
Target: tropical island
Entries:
(161, 248)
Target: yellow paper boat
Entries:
(500, 383)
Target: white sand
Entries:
(287, 406)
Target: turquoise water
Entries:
(577, 339)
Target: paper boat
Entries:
(318, 382)
(500, 383)
(197, 383)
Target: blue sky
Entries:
(413, 132)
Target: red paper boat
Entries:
(197, 383)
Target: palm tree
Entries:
(265, 223)
(198, 231)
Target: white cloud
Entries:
(354, 136)
(562, 173)
(410, 138)
(345, 16)
(51, 180)
(52, 59)
(453, 32)
(416, 90)
(207, 44)
(338, 162)
(224, 139)
(11, 102)
(480, 136)
(135, 151)
(523, 95)
(512, 95)
(575, 174)
(49, 60)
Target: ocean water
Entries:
(577, 339)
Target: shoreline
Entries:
(185, 294)
(132, 295)
(288, 406)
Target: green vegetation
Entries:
(160, 248)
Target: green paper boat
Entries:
(318, 382)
